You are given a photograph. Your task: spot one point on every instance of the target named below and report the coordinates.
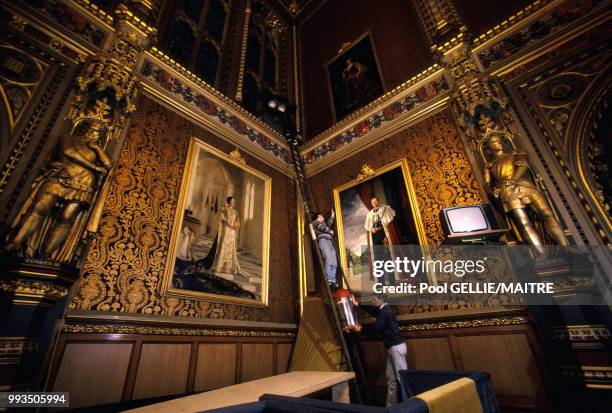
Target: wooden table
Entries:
(295, 383)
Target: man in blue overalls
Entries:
(324, 234)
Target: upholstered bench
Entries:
(417, 382)
(430, 391)
(270, 403)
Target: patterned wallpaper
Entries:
(440, 170)
(126, 258)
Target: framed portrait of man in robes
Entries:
(354, 76)
(220, 238)
(378, 219)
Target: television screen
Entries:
(466, 219)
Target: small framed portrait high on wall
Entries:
(221, 234)
(354, 76)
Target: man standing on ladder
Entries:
(386, 323)
(324, 233)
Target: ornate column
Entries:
(42, 250)
(485, 116)
(243, 49)
(441, 22)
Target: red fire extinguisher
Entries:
(346, 309)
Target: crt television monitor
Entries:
(468, 219)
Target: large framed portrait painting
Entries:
(378, 219)
(354, 76)
(220, 238)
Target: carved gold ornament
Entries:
(274, 25)
(33, 289)
(170, 331)
(582, 333)
(294, 9)
(16, 346)
(56, 44)
(237, 156)
(487, 322)
(36, 232)
(18, 22)
(366, 171)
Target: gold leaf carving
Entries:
(487, 322)
(237, 156)
(36, 288)
(170, 331)
(366, 171)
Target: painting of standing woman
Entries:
(221, 245)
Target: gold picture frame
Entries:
(344, 52)
(196, 146)
(410, 191)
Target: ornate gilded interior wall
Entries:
(34, 85)
(566, 102)
(440, 170)
(123, 269)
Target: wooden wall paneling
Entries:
(452, 339)
(128, 389)
(283, 357)
(509, 358)
(374, 357)
(162, 370)
(274, 358)
(510, 352)
(193, 362)
(239, 362)
(257, 361)
(189, 363)
(87, 367)
(216, 365)
(430, 353)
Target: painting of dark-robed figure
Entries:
(354, 77)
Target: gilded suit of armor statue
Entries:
(53, 217)
(507, 178)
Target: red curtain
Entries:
(366, 193)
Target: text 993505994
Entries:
(34, 399)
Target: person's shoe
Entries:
(333, 286)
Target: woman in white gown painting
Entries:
(226, 258)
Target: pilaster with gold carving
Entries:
(441, 22)
(43, 247)
(243, 49)
(480, 106)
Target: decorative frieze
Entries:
(171, 331)
(513, 41)
(393, 110)
(479, 322)
(202, 102)
(64, 15)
